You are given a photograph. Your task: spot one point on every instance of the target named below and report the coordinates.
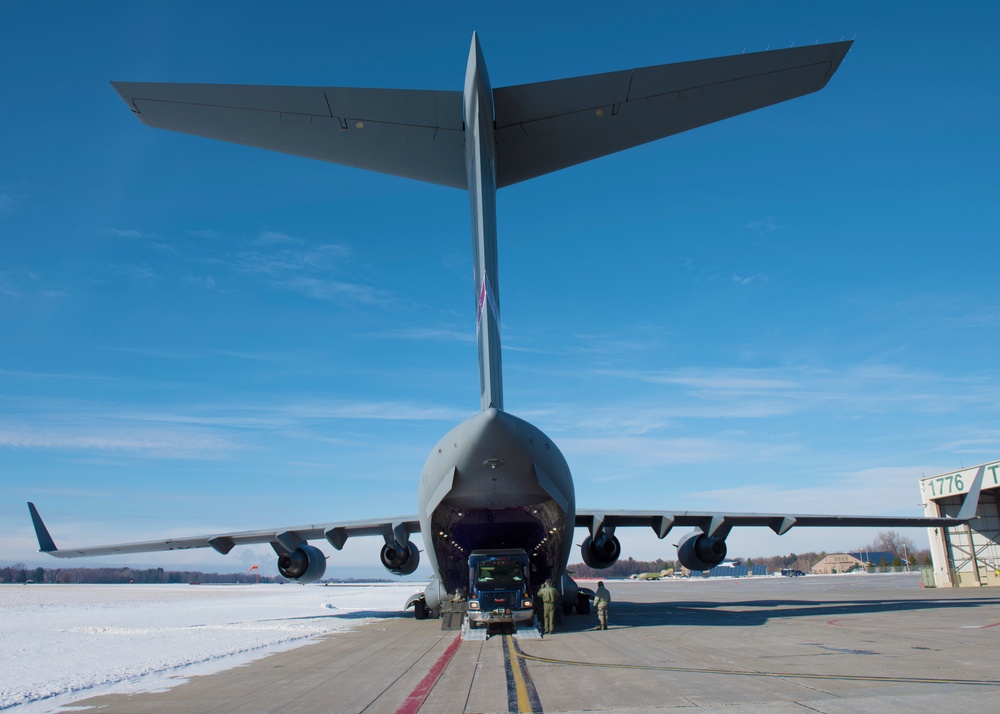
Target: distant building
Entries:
(966, 555)
(733, 569)
(837, 563)
(850, 562)
(878, 558)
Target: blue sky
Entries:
(792, 310)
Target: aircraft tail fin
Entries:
(45, 542)
(479, 147)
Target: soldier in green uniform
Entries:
(602, 600)
(549, 596)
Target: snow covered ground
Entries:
(61, 643)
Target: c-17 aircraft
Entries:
(494, 481)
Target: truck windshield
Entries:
(505, 575)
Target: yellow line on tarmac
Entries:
(521, 694)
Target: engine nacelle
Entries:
(398, 561)
(601, 553)
(697, 551)
(305, 564)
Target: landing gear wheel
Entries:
(567, 609)
(420, 610)
(583, 605)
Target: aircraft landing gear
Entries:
(420, 610)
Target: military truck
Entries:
(499, 590)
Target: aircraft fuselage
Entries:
(496, 481)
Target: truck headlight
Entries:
(473, 605)
(527, 604)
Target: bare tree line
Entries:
(19, 573)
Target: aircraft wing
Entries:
(718, 523)
(548, 126)
(281, 539)
(416, 134)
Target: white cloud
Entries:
(193, 431)
(210, 235)
(152, 352)
(25, 283)
(857, 390)
(275, 238)
(424, 333)
(153, 443)
(324, 289)
(124, 233)
(203, 281)
(728, 380)
(288, 262)
(748, 279)
(762, 226)
(375, 410)
(641, 452)
(885, 491)
(137, 273)
(8, 286)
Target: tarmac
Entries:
(832, 644)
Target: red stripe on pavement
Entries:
(419, 694)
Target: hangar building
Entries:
(966, 555)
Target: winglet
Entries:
(45, 542)
(971, 502)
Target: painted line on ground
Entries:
(521, 694)
(778, 675)
(856, 622)
(420, 692)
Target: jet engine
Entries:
(601, 553)
(697, 551)
(398, 561)
(305, 564)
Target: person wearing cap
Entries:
(549, 597)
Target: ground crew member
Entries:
(549, 596)
(602, 599)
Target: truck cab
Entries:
(499, 590)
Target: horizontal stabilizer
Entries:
(416, 134)
(548, 126)
(539, 128)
